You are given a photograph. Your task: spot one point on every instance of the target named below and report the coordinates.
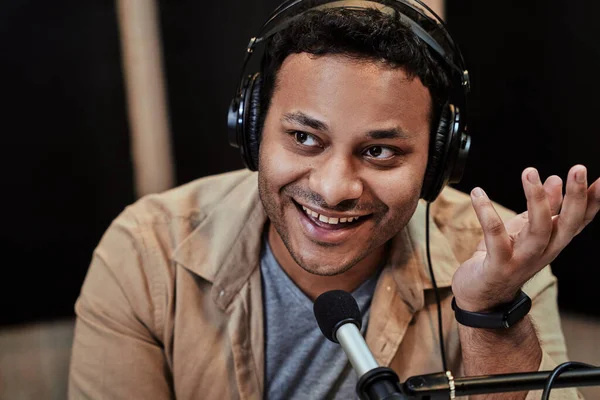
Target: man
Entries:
(206, 291)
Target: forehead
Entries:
(347, 92)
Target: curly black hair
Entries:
(357, 33)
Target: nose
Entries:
(336, 180)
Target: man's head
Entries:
(348, 100)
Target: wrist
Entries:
(487, 304)
(502, 316)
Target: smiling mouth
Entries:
(331, 223)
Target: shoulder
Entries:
(156, 224)
(172, 215)
(134, 256)
(189, 201)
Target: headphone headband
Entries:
(287, 12)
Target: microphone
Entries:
(339, 319)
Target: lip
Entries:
(327, 233)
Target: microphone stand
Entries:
(442, 386)
(382, 383)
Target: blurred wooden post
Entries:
(146, 100)
(437, 6)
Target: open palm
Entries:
(512, 252)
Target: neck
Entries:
(313, 285)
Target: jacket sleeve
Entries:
(546, 320)
(116, 351)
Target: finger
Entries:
(570, 219)
(536, 235)
(593, 203)
(497, 241)
(553, 187)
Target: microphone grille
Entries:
(333, 309)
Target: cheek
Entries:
(400, 190)
(400, 199)
(278, 166)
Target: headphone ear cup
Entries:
(252, 122)
(438, 149)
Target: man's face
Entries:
(343, 138)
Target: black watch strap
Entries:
(503, 316)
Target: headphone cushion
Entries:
(437, 149)
(253, 129)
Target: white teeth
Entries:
(325, 219)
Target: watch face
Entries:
(518, 311)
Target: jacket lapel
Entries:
(224, 249)
(246, 333)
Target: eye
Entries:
(379, 152)
(306, 139)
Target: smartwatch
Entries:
(502, 316)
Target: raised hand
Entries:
(513, 252)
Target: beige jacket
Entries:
(172, 302)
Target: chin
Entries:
(323, 268)
(326, 259)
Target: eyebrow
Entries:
(300, 118)
(393, 133)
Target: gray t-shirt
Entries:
(300, 363)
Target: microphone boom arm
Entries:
(438, 385)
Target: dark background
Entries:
(65, 157)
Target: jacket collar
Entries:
(224, 248)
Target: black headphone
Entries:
(449, 145)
